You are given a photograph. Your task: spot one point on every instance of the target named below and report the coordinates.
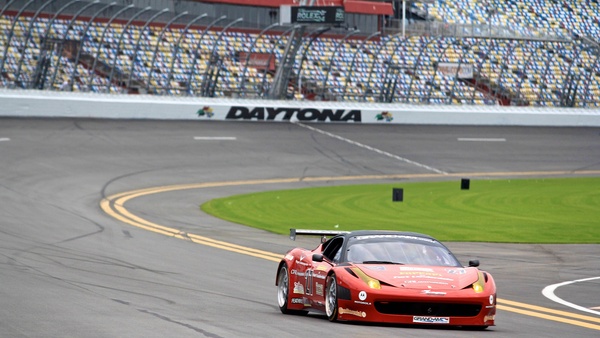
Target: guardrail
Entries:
(34, 103)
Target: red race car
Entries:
(386, 277)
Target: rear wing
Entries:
(322, 233)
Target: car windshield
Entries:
(399, 249)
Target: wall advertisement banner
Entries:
(35, 103)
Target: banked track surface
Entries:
(69, 270)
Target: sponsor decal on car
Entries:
(297, 300)
(456, 271)
(431, 320)
(433, 293)
(321, 268)
(376, 267)
(319, 289)
(422, 282)
(415, 268)
(298, 288)
(395, 236)
(362, 295)
(289, 257)
(420, 274)
(344, 311)
(297, 273)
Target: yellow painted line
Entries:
(118, 211)
(543, 309)
(548, 317)
(114, 206)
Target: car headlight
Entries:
(370, 281)
(478, 286)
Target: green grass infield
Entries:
(557, 210)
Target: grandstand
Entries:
(486, 52)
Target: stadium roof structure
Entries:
(350, 6)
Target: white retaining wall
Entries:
(34, 103)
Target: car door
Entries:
(318, 273)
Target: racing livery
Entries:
(386, 277)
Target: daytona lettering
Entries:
(286, 114)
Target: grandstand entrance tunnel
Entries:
(98, 47)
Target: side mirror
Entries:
(317, 258)
(474, 263)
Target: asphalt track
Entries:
(101, 234)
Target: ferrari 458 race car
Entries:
(386, 277)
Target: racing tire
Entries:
(283, 292)
(331, 299)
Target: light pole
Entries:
(491, 11)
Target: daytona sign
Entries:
(286, 114)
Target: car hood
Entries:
(422, 277)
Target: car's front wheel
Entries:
(331, 301)
(283, 292)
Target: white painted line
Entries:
(372, 149)
(215, 138)
(475, 139)
(548, 292)
(4, 139)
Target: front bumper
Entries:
(455, 308)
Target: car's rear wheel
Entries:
(283, 292)
(331, 301)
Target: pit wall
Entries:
(34, 103)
